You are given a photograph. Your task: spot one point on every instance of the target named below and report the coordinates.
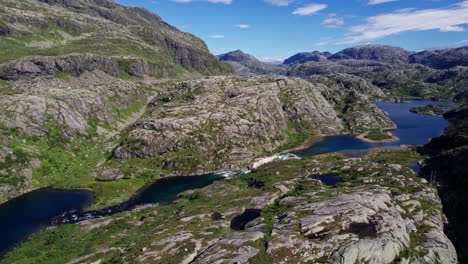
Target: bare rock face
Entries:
(76, 65)
(34, 112)
(227, 122)
(360, 227)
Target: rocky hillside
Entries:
(145, 129)
(394, 71)
(373, 52)
(130, 40)
(394, 78)
(244, 63)
(442, 59)
(382, 213)
(304, 57)
(225, 123)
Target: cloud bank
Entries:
(444, 19)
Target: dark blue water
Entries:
(166, 190)
(412, 129)
(31, 212)
(162, 191)
(27, 214)
(328, 179)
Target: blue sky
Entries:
(276, 29)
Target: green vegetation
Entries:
(180, 70)
(63, 75)
(406, 157)
(294, 138)
(4, 90)
(144, 227)
(7, 91)
(125, 76)
(377, 135)
(123, 114)
(432, 109)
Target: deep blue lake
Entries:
(33, 211)
(413, 129)
(28, 213)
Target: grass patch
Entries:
(63, 75)
(432, 109)
(397, 156)
(180, 70)
(125, 76)
(7, 91)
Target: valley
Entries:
(124, 140)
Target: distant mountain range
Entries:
(439, 74)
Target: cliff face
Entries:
(55, 28)
(448, 168)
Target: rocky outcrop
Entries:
(226, 123)
(76, 65)
(346, 94)
(35, 112)
(44, 116)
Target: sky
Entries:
(273, 30)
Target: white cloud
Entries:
(242, 25)
(452, 29)
(280, 2)
(211, 1)
(273, 60)
(376, 2)
(464, 41)
(309, 9)
(448, 19)
(333, 21)
(217, 36)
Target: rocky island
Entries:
(110, 99)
